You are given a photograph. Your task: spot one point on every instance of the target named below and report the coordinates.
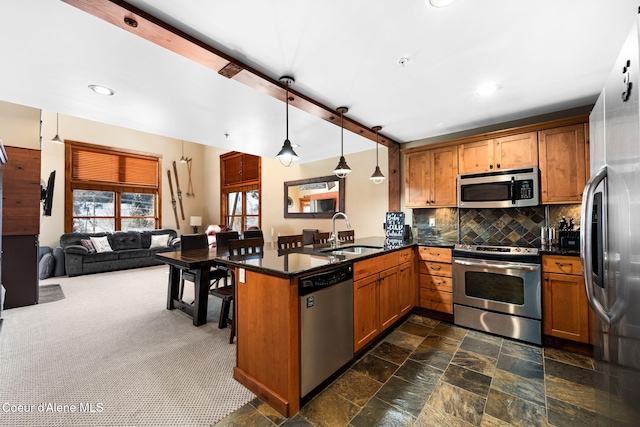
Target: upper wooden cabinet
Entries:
(563, 164)
(506, 152)
(239, 169)
(430, 179)
(21, 192)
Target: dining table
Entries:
(199, 261)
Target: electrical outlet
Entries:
(432, 222)
(241, 275)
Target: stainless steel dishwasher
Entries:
(326, 325)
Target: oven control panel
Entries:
(506, 250)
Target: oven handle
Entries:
(498, 266)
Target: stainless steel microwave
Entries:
(509, 188)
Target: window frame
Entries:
(117, 187)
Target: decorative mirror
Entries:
(314, 197)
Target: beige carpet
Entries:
(112, 352)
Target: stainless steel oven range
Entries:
(497, 289)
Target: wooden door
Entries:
(365, 311)
(517, 151)
(406, 287)
(416, 179)
(476, 156)
(443, 173)
(388, 298)
(565, 307)
(563, 164)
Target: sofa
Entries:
(86, 253)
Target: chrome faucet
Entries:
(334, 237)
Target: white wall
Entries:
(75, 129)
(19, 126)
(366, 203)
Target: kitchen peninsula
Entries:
(268, 314)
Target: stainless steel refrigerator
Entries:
(610, 239)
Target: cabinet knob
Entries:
(490, 166)
(498, 165)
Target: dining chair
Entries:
(321, 237)
(346, 235)
(290, 242)
(308, 235)
(189, 242)
(253, 233)
(222, 239)
(250, 246)
(238, 248)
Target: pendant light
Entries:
(377, 176)
(343, 169)
(287, 156)
(56, 139)
(183, 159)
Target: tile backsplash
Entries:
(510, 226)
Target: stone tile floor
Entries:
(431, 373)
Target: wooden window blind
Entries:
(99, 166)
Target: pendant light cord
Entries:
(341, 133)
(287, 107)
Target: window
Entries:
(110, 189)
(240, 190)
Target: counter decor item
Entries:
(394, 225)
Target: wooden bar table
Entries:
(199, 261)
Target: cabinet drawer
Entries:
(434, 254)
(436, 283)
(561, 264)
(405, 255)
(374, 265)
(435, 268)
(436, 300)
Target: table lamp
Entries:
(195, 222)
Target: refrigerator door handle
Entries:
(586, 243)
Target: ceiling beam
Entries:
(142, 24)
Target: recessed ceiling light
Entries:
(102, 90)
(441, 3)
(487, 89)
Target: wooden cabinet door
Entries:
(406, 287)
(565, 307)
(476, 156)
(21, 193)
(516, 151)
(443, 173)
(365, 311)
(416, 179)
(563, 164)
(389, 303)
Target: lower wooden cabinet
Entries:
(382, 293)
(436, 290)
(565, 306)
(406, 287)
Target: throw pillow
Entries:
(87, 244)
(159, 241)
(45, 266)
(101, 244)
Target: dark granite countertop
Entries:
(311, 257)
(437, 242)
(556, 250)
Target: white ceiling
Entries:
(546, 55)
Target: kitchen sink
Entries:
(352, 250)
